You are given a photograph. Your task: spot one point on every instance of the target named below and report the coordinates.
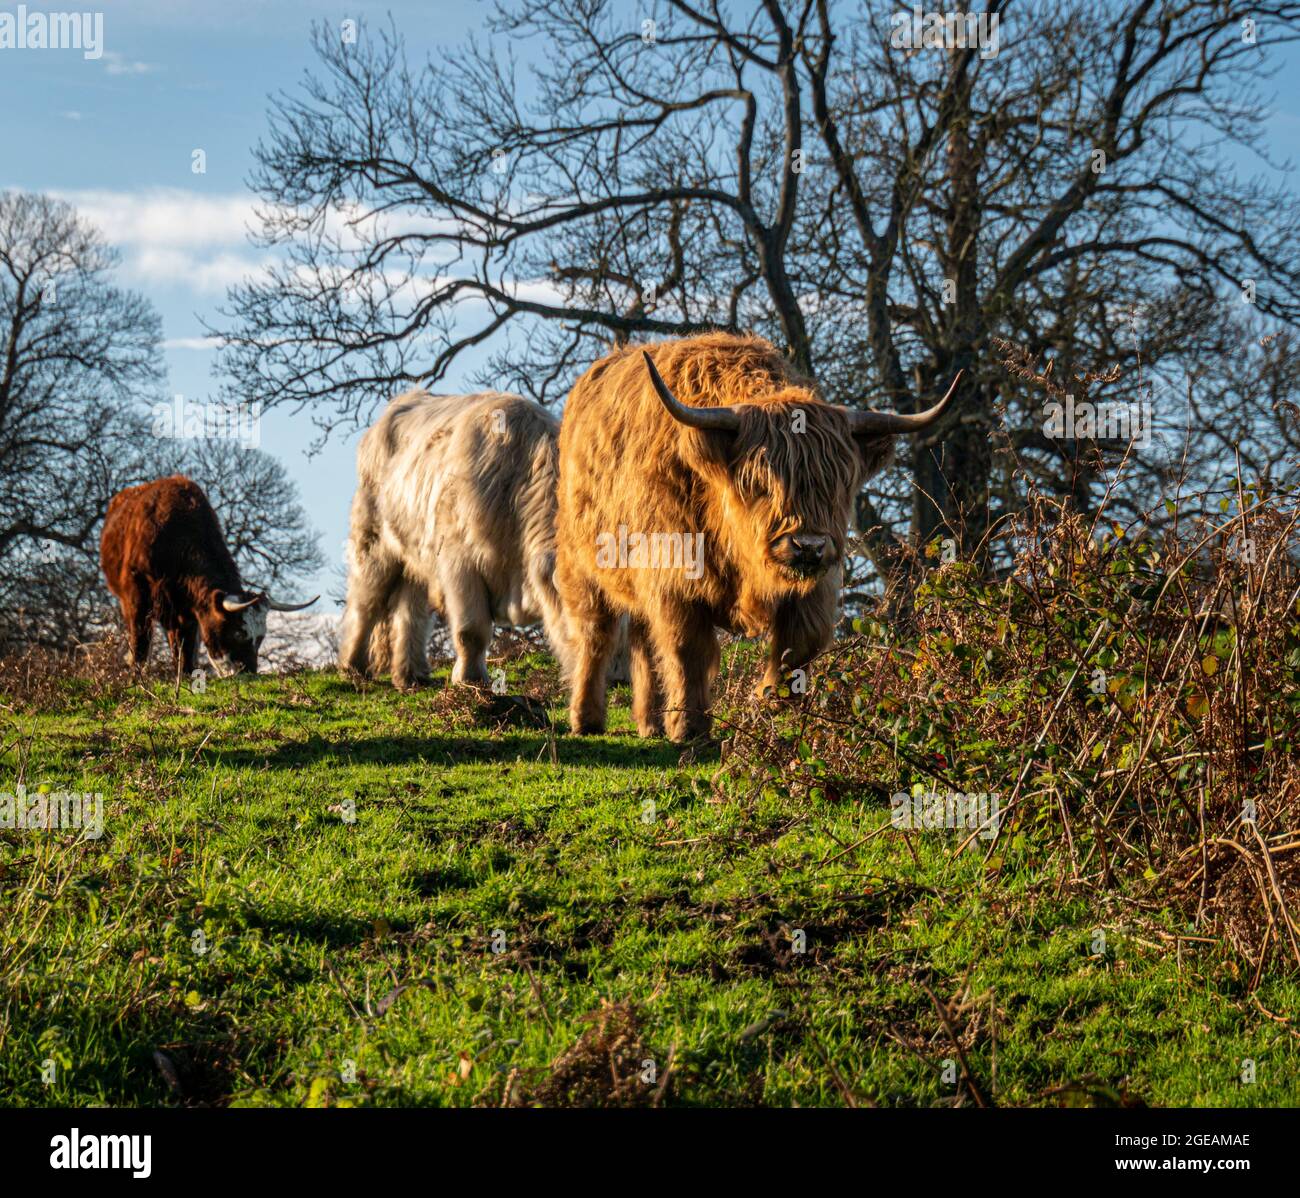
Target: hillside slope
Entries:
(307, 895)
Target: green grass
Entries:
(227, 813)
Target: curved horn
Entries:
(274, 606)
(724, 419)
(882, 424)
(235, 603)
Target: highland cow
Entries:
(711, 445)
(165, 559)
(454, 511)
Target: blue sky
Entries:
(115, 136)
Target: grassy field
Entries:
(401, 903)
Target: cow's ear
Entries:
(217, 601)
(709, 447)
(875, 453)
(722, 448)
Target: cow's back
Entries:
(457, 482)
(161, 531)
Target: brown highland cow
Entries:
(704, 485)
(165, 558)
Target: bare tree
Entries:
(78, 355)
(56, 594)
(1255, 384)
(880, 209)
(80, 373)
(266, 527)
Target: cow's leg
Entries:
(469, 620)
(137, 613)
(371, 584)
(620, 661)
(383, 636)
(595, 633)
(409, 623)
(647, 698)
(374, 576)
(801, 630)
(175, 637)
(541, 581)
(380, 653)
(190, 649)
(687, 654)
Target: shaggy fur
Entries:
(455, 508)
(625, 461)
(165, 558)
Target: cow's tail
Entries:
(542, 584)
(539, 513)
(537, 504)
(364, 645)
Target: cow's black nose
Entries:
(809, 548)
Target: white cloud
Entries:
(116, 63)
(202, 343)
(169, 236)
(199, 242)
(537, 291)
(207, 273)
(165, 216)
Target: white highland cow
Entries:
(454, 511)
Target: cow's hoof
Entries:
(682, 730)
(409, 685)
(473, 681)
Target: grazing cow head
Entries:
(233, 627)
(783, 473)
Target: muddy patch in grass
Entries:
(430, 882)
(201, 1066)
(774, 941)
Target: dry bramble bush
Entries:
(1132, 694)
(605, 1067)
(37, 677)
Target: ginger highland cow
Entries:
(704, 485)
